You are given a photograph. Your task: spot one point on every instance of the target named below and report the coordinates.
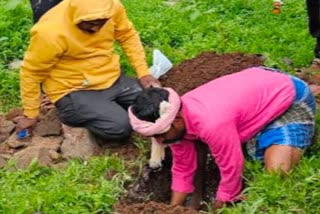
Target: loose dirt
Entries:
(207, 66)
(154, 208)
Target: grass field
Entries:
(181, 32)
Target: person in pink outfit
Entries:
(272, 107)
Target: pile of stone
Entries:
(51, 143)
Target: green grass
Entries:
(14, 29)
(15, 22)
(245, 26)
(80, 188)
(9, 89)
(297, 193)
(180, 32)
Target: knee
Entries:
(69, 117)
(281, 159)
(67, 113)
(282, 168)
(122, 130)
(119, 130)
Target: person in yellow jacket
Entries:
(71, 54)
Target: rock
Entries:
(17, 112)
(14, 143)
(6, 156)
(54, 155)
(78, 143)
(3, 162)
(52, 143)
(24, 157)
(3, 137)
(6, 128)
(15, 64)
(49, 125)
(6, 149)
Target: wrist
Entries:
(178, 198)
(143, 73)
(31, 114)
(30, 118)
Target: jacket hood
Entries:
(87, 10)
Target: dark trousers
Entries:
(40, 7)
(313, 7)
(103, 112)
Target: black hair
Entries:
(146, 105)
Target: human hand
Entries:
(178, 198)
(46, 104)
(149, 81)
(24, 122)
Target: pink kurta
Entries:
(225, 113)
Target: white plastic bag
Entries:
(161, 64)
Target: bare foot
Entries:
(315, 89)
(314, 67)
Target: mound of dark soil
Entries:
(153, 208)
(205, 67)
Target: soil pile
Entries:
(153, 208)
(205, 67)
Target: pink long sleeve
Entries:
(184, 166)
(227, 152)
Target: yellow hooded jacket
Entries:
(64, 58)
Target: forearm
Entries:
(184, 166)
(44, 51)
(30, 94)
(178, 198)
(134, 50)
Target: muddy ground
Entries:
(155, 186)
(154, 208)
(205, 67)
